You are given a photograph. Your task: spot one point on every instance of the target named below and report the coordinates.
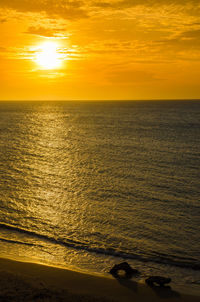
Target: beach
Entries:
(23, 281)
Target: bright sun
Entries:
(48, 56)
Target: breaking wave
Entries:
(68, 243)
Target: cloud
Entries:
(102, 4)
(77, 9)
(142, 30)
(45, 32)
(130, 3)
(187, 39)
(53, 8)
(3, 20)
(2, 49)
(191, 34)
(73, 9)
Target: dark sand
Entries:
(21, 281)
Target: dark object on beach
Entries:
(161, 281)
(124, 266)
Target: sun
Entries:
(48, 56)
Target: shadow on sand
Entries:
(165, 292)
(130, 284)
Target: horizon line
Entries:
(100, 100)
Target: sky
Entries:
(99, 50)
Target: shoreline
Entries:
(25, 281)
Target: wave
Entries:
(19, 242)
(159, 258)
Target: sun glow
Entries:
(48, 56)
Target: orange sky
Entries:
(106, 49)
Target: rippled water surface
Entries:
(90, 184)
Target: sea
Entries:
(87, 185)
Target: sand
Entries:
(22, 281)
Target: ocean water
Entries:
(90, 184)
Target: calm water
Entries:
(90, 184)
